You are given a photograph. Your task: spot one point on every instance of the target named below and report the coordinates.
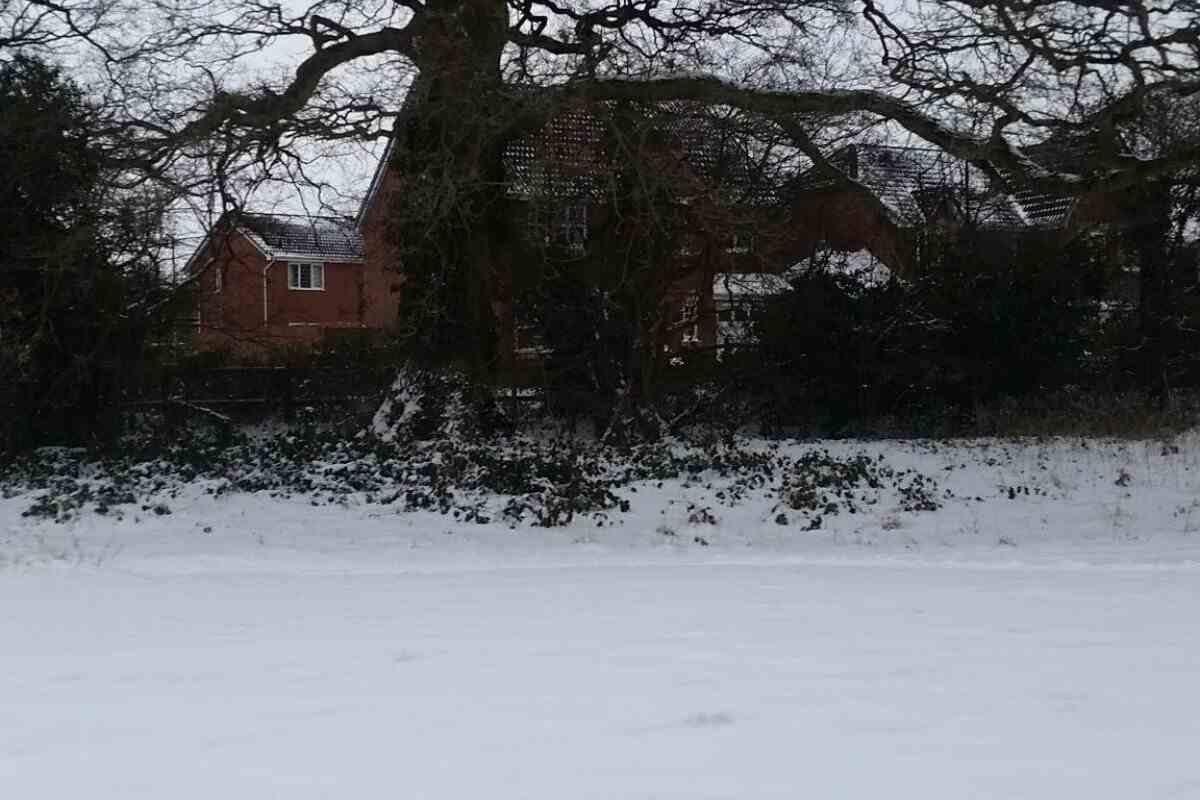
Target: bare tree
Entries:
(1161, 220)
(1026, 67)
(973, 77)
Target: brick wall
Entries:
(231, 300)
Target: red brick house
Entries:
(558, 184)
(268, 280)
(885, 199)
(874, 208)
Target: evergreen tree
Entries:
(76, 276)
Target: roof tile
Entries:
(294, 236)
(903, 178)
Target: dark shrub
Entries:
(834, 352)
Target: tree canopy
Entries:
(208, 95)
(974, 77)
(78, 276)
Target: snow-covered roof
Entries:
(568, 158)
(915, 185)
(1057, 154)
(860, 264)
(289, 236)
(747, 285)
(1044, 210)
(376, 181)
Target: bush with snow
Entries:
(514, 480)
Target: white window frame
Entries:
(297, 271)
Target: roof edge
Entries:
(376, 181)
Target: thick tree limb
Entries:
(995, 155)
(267, 108)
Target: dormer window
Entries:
(564, 227)
(306, 277)
(939, 205)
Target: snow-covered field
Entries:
(1037, 637)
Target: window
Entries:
(939, 205)
(690, 245)
(527, 336)
(309, 277)
(218, 279)
(687, 320)
(528, 340)
(562, 226)
(573, 227)
(741, 243)
(739, 312)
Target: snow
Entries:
(860, 264)
(1043, 646)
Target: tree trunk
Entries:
(448, 220)
(1155, 296)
